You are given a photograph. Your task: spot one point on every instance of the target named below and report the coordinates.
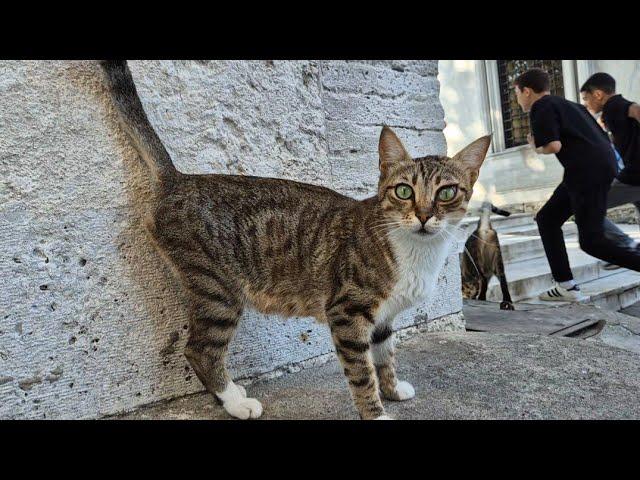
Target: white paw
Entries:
(243, 392)
(235, 402)
(244, 409)
(383, 417)
(405, 391)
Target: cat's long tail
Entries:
(485, 211)
(135, 122)
(499, 211)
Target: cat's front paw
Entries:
(403, 391)
(235, 402)
(244, 409)
(506, 306)
(243, 392)
(383, 417)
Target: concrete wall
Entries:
(92, 321)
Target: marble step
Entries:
(530, 277)
(531, 229)
(499, 222)
(528, 272)
(523, 242)
(612, 292)
(518, 247)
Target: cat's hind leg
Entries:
(215, 313)
(383, 350)
(484, 284)
(507, 303)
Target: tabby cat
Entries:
(289, 248)
(482, 259)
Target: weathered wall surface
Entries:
(92, 321)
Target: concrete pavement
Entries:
(468, 375)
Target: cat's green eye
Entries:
(404, 191)
(447, 193)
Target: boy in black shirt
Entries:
(622, 118)
(567, 129)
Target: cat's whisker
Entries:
(459, 229)
(387, 221)
(379, 228)
(466, 251)
(386, 224)
(456, 240)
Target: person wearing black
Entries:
(621, 118)
(569, 131)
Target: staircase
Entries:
(528, 272)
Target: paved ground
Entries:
(632, 310)
(468, 375)
(548, 318)
(621, 329)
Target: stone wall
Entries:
(92, 321)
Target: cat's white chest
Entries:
(419, 265)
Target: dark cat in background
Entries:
(482, 259)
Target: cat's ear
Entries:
(470, 158)
(390, 149)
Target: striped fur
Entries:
(294, 249)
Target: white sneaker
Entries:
(559, 294)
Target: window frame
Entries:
(574, 73)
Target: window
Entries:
(515, 122)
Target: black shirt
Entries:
(626, 136)
(586, 154)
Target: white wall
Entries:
(460, 95)
(626, 73)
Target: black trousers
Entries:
(589, 205)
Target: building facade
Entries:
(478, 98)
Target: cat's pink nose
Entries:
(423, 217)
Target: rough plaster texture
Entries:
(92, 321)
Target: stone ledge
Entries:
(381, 81)
(420, 114)
(423, 68)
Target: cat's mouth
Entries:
(422, 231)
